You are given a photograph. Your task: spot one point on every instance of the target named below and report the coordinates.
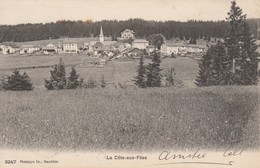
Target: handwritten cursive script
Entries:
(166, 155)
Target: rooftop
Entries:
(140, 41)
(11, 44)
(30, 46)
(127, 30)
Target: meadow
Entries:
(130, 119)
(116, 71)
(124, 119)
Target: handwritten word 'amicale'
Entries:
(166, 155)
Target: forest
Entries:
(113, 28)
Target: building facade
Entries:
(70, 48)
(140, 43)
(127, 34)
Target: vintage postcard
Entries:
(129, 83)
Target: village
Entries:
(125, 46)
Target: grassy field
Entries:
(121, 70)
(130, 119)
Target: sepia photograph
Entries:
(129, 83)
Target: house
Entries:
(9, 48)
(29, 49)
(70, 47)
(49, 49)
(95, 46)
(59, 49)
(86, 46)
(127, 34)
(122, 46)
(169, 48)
(132, 52)
(109, 46)
(140, 43)
(194, 48)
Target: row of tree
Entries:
(57, 81)
(113, 28)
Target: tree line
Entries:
(142, 28)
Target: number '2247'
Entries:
(10, 161)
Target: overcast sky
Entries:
(42, 11)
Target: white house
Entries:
(182, 48)
(140, 43)
(127, 34)
(50, 48)
(70, 48)
(9, 48)
(194, 48)
(175, 48)
(29, 49)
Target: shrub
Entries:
(91, 83)
(103, 82)
(170, 78)
(17, 82)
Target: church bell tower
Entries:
(101, 35)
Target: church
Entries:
(102, 45)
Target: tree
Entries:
(141, 73)
(249, 63)
(170, 78)
(156, 39)
(103, 82)
(18, 82)
(153, 71)
(241, 50)
(213, 66)
(233, 41)
(73, 81)
(192, 41)
(205, 70)
(220, 70)
(58, 79)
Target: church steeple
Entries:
(101, 35)
(258, 30)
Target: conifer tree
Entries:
(241, 50)
(205, 68)
(73, 81)
(153, 71)
(58, 78)
(18, 82)
(233, 43)
(220, 64)
(249, 63)
(141, 73)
